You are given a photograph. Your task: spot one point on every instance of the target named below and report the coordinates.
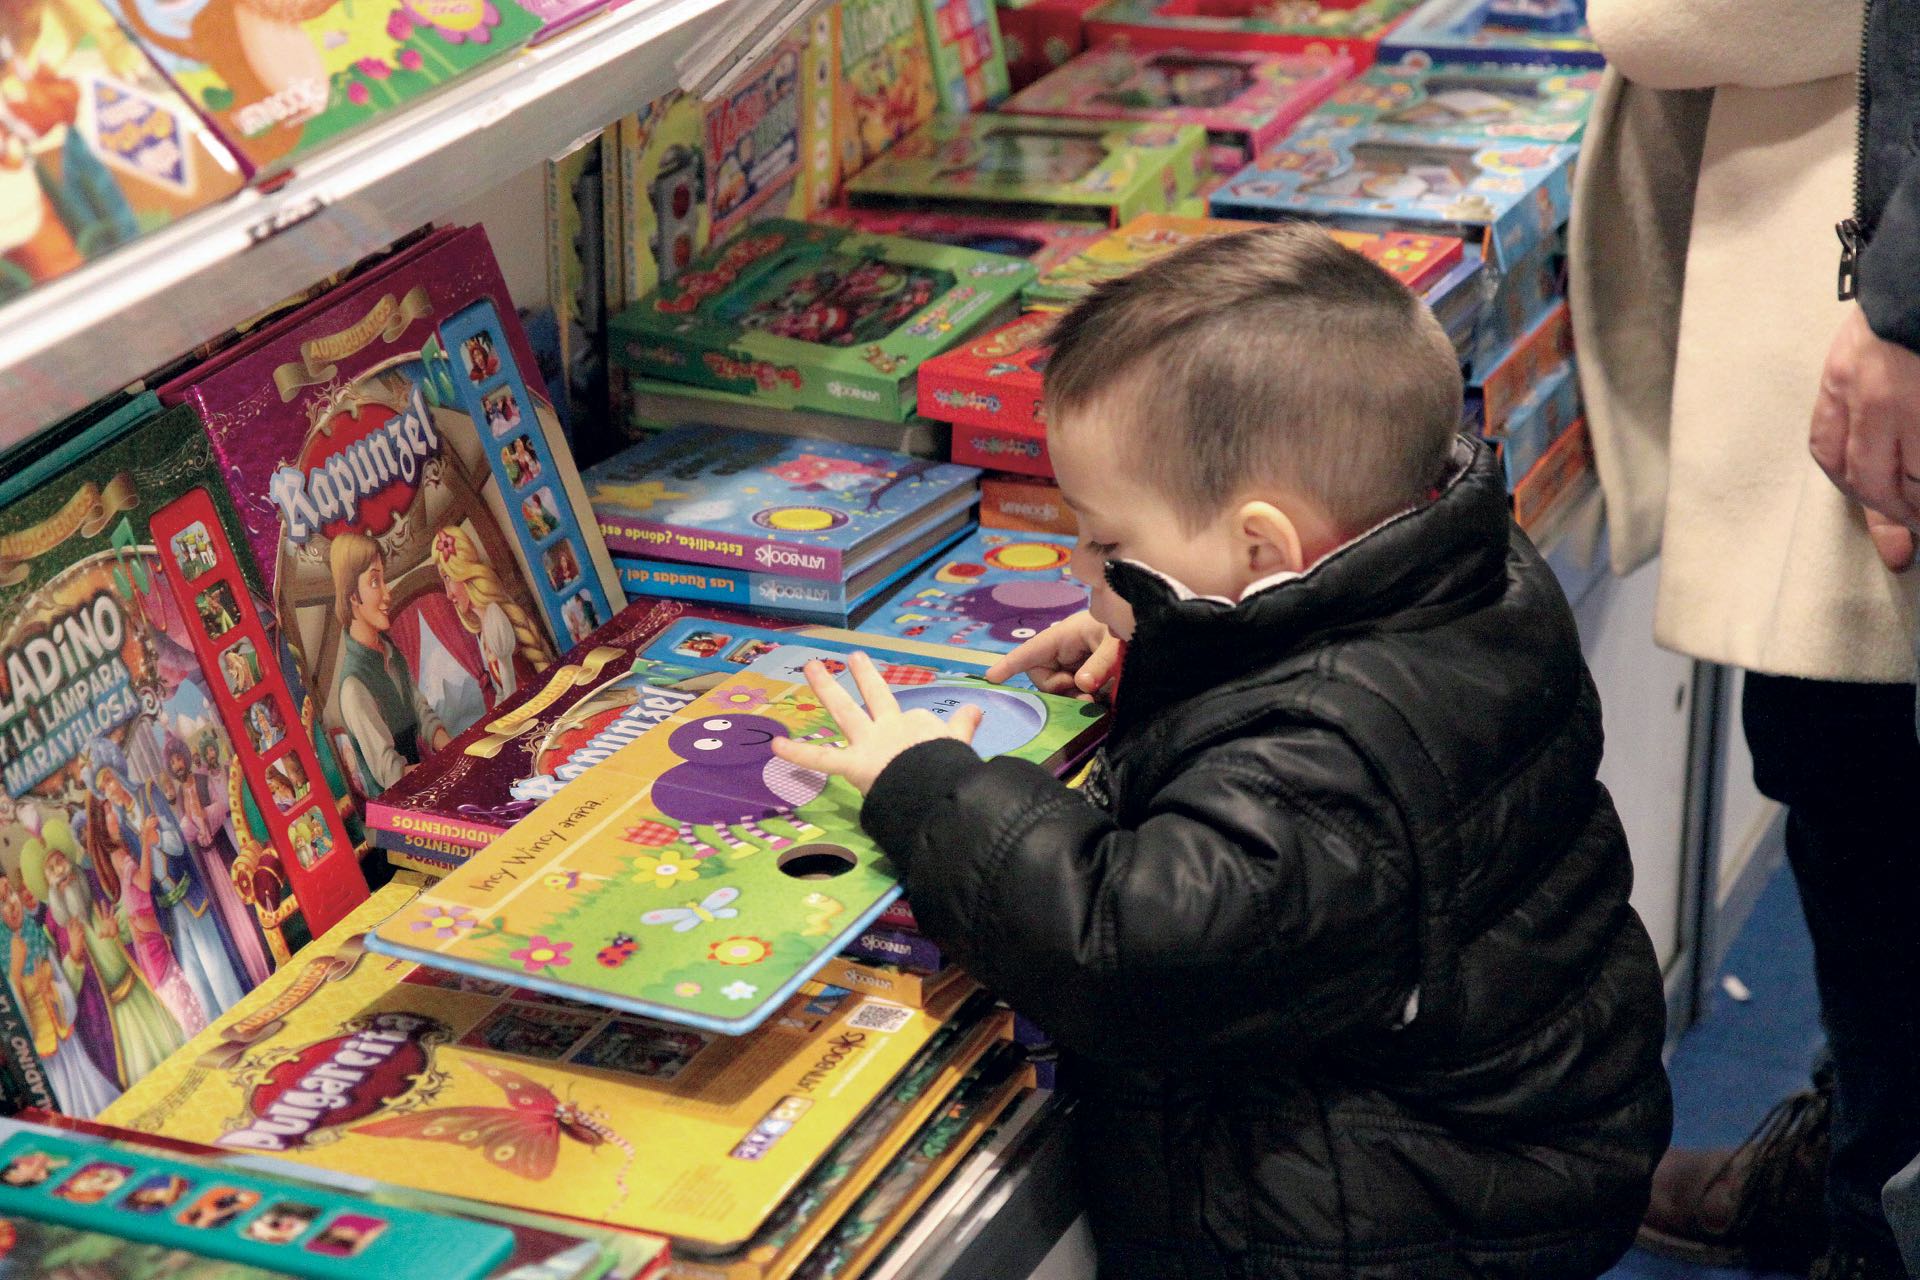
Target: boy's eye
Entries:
(1100, 548)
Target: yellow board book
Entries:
(351, 1061)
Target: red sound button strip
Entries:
(257, 706)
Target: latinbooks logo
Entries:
(772, 557)
(846, 391)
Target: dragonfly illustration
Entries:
(695, 914)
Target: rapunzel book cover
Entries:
(437, 1080)
(708, 878)
(404, 480)
(169, 828)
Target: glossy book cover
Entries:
(100, 148)
(1042, 243)
(992, 592)
(517, 1099)
(1544, 104)
(1442, 31)
(990, 390)
(777, 504)
(167, 816)
(1354, 28)
(969, 62)
(1245, 100)
(884, 89)
(815, 317)
(402, 471)
(1038, 166)
(707, 878)
(1512, 196)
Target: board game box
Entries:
(815, 317)
(397, 462)
(1441, 31)
(1025, 505)
(100, 147)
(1039, 35)
(885, 87)
(652, 659)
(1552, 483)
(990, 593)
(1037, 166)
(1246, 101)
(655, 405)
(1543, 104)
(753, 143)
(279, 81)
(989, 389)
(1044, 244)
(1521, 367)
(599, 1116)
(1458, 299)
(158, 762)
(1509, 197)
(1514, 303)
(1417, 261)
(969, 64)
(732, 876)
(812, 509)
(1536, 422)
(1354, 29)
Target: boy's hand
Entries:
(1073, 656)
(875, 734)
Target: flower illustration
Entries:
(358, 93)
(456, 21)
(399, 25)
(664, 873)
(542, 952)
(741, 697)
(410, 59)
(444, 921)
(687, 990)
(561, 880)
(739, 950)
(373, 68)
(739, 991)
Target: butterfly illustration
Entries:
(522, 1138)
(695, 914)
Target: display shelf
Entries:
(75, 339)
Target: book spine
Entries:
(406, 828)
(733, 586)
(1525, 364)
(23, 1077)
(899, 915)
(1024, 506)
(888, 982)
(641, 539)
(1535, 425)
(999, 449)
(896, 946)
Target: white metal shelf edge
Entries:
(76, 339)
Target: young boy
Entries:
(1337, 931)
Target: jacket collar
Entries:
(1419, 567)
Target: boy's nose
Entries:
(1088, 567)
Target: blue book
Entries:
(1515, 32)
(1509, 196)
(990, 592)
(800, 508)
(836, 603)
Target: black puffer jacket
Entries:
(1369, 782)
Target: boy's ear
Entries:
(1270, 540)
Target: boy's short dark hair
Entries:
(1271, 355)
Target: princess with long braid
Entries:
(512, 645)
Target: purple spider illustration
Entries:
(1010, 611)
(730, 779)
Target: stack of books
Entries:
(804, 528)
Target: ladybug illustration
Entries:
(619, 951)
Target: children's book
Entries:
(837, 604)
(1556, 481)
(1522, 367)
(733, 875)
(665, 180)
(576, 287)
(889, 981)
(1551, 406)
(992, 592)
(169, 828)
(34, 1247)
(651, 660)
(400, 468)
(816, 317)
(1044, 244)
(585, 1113)
(1245, 100)
(753, 142)
(1510, 197)
(990, 390)
(278, 82)
(99, 146)
(1417, 261)
(1037, 167)
(811, 509)
(1039, 35)
(904, 947)
(1025, 505)
(969, 63)
(819, 98)
(885, 89)
(1354, 29)
(1515, 301)
(1544, 104)
(655, 405)
(1442, 31)
(1458, 300)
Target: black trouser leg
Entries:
(1845, 761)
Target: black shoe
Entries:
(1759, 1205)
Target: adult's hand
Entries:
(1866, 433)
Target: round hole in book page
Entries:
(817, 861)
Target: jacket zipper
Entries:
(1854, 231)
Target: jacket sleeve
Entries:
(1703, 44)
(1251, 907)
(1890, 266)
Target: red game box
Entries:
(989, 390)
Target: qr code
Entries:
(887, 1018)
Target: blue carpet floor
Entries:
(1741, 1058)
